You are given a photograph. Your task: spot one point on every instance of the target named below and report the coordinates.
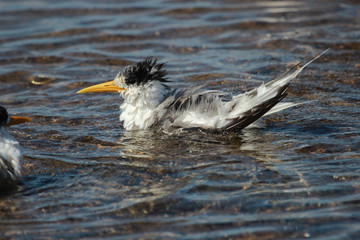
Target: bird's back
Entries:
(207, 109)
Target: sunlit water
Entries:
(85, 177)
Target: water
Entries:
(85, 177)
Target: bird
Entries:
(10, 154)
(149, 103)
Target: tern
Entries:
(10, 155)
(149, 103)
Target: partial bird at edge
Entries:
(10, 154)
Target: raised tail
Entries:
(248, 107)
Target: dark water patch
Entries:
(34, 60)
(92, 140)
(14, 77)
(107, 62)
(70, 12)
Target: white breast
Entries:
(140, 103)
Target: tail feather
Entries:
(292, 73)
(258, 111)
(246, 108)
(281, 106)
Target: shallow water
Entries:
(85, 177)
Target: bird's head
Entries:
(135, 75)
(6, 120)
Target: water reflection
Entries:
(199, 151)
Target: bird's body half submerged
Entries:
(10, 155)
(150, 103)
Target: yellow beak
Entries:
(17, 120)
(102, 87)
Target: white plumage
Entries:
(150, 103)
(10, 155)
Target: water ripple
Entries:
(85, 177)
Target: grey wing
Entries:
(180, 101)
(194, 97)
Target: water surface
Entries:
(85, 177)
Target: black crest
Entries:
(145, 71)
(3, 116)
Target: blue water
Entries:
(84, 176)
